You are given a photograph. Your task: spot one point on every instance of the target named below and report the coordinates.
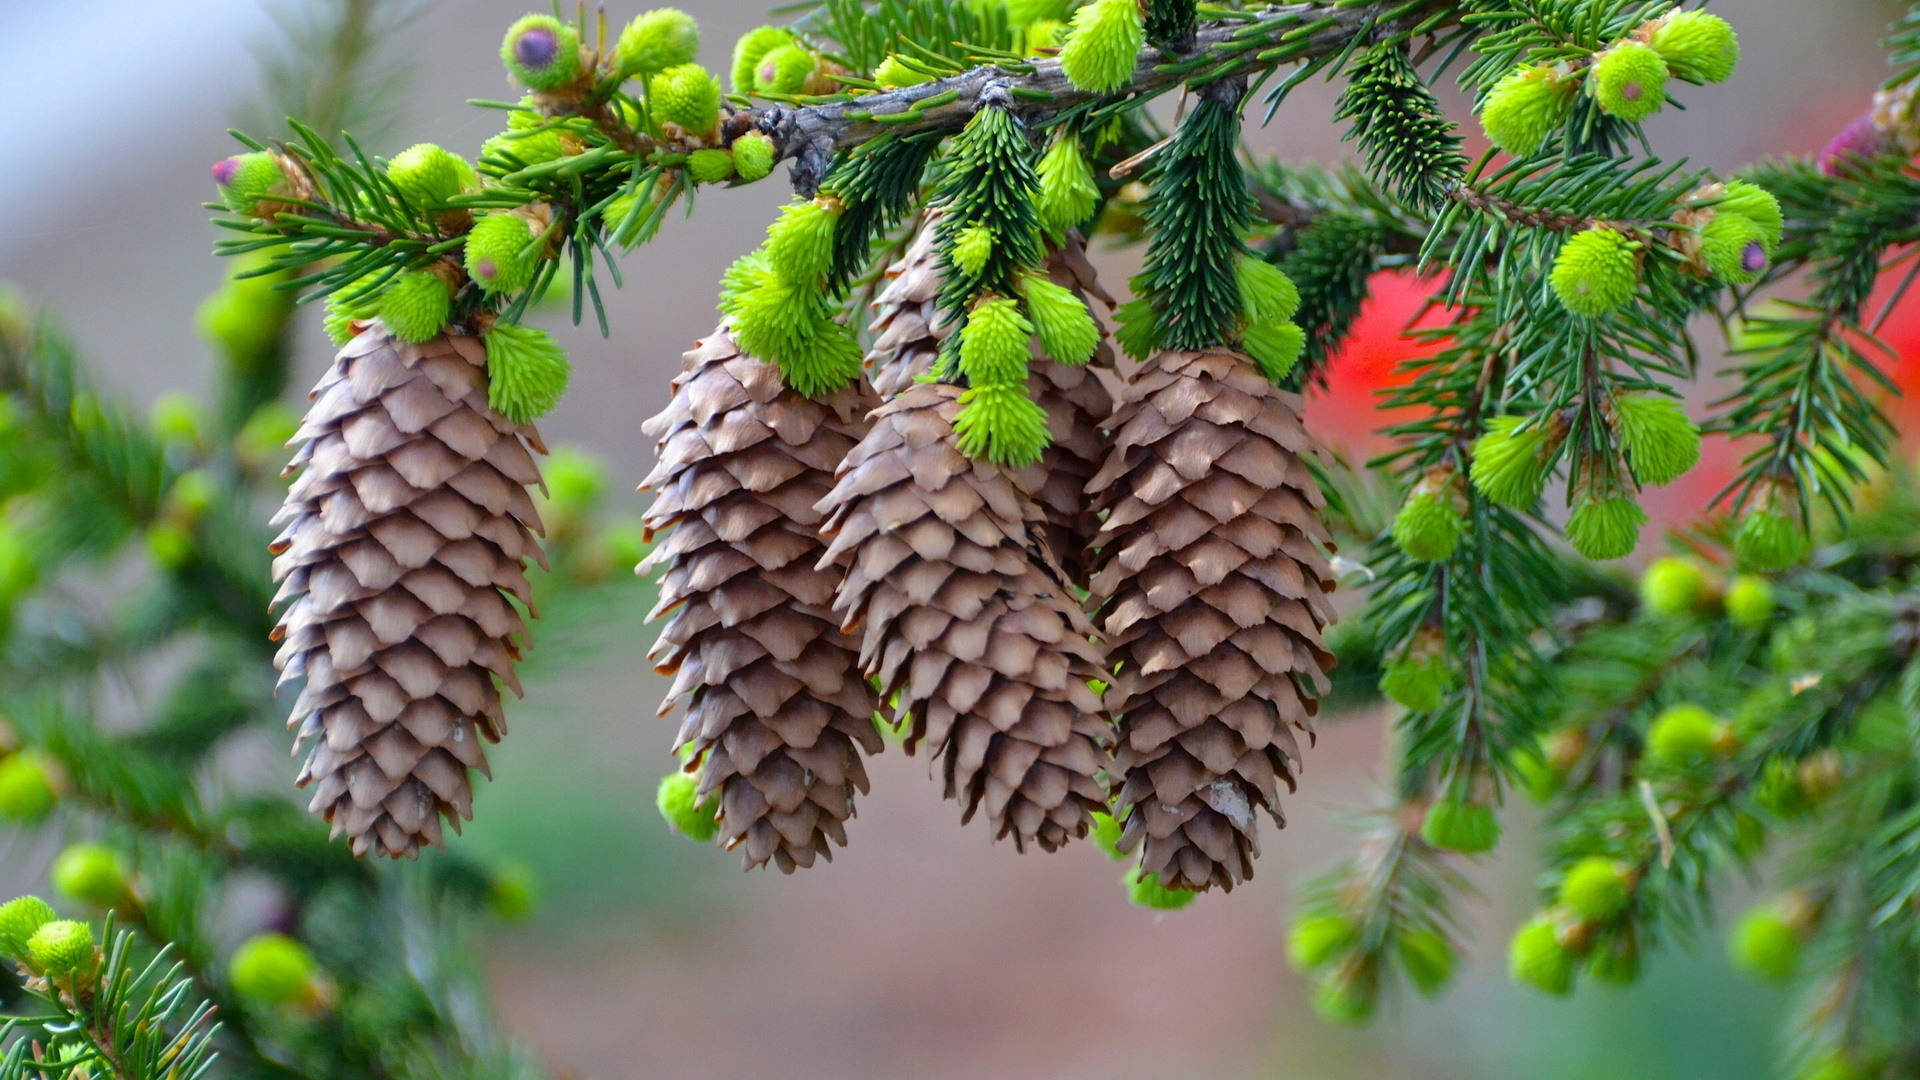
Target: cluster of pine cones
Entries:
(829, 562)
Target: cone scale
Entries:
(967, 624)
(1210, 590)
(404, 548)
(778, 715)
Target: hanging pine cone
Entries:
(966, 619)
(405, 534)
(1211, 592)
(777, 712)
(907, 336)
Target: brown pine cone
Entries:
(1211, 592)
(907, 336)
(777, 712)
(405, 535)
(966, 619)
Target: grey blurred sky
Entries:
(118, 108)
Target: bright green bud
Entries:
(972, 247)
(710, 166)
(753, 156)
(1429, 526)
(893, 73)
(1631, 81)
(1770, 540)
(1757, 205)
(1267, 294)
(785, 70)
(91, 873)
(263, 439)
(170, 545)
(800, 244)
(541, 52)
(753, 48)
(1103, 45)
(27, 791)
(1596, 272)
(1001, 424)
(993, 344)
(416, 306)
(1735, 248)
(500, 256)
(1525, 107)
(1683, 736)
(1764, 945)
(176, 419)
(1537, 958)
(61, 947)
(1429, 959)
(1340, 997)
(1606, 528)
(1068, 334)
(655, 41)
(246, 179)
(1275, 347)
(1139, 333)
(1510, 462)
(1417, 684)
(626, 542)
(1696, 46)
(20, 919)
(247, 316)
(428, 175)
(1836, 1065)
(513, 892)
(526, 372)
(273, 969)
(1672, 587)
(1596, 888)
(1655, 432)
(1470, 828)
(1537, 777)
(1750, 601)
(1317, 941)
(1106, 834)
(353, 302)
(687, 96)
(1068, 192)
(1145, 890)
(536, 148)
(680, 803)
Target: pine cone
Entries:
(1210, 590)
(405, 534)
(907, 336)
(777, 713)
(966, 619)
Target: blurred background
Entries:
(923, 951)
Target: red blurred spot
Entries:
(1346, 413)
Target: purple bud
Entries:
(486, 269)
(1861, 138)
(1631, 91)
(536, 47)
(1753, 257)
(224, 171)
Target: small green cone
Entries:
(526, 372)
(1596, 888)
(1103, 45)
(972, 247)
(61, 947)
(1417, 683)
(27, 789)
(541, 52)
(784, 70)
(1429, 959)
(91, 873)
(752, 48)
(1770, 540)
(1757, 205)
(1672, 587)
(1656, 434)
(1537, 958)
(893, 74)
(1765, 945)
(1318, 940)
(1275, 348)
(273, 969)
(688, 96)
(1266, 292)
(993, 344)
(1596, 272)
(1106, 835)
(800, 242)
(1002, 425)
(1524, 107)
(710, 166)
(1683, 736)
(1735, 248)
(753, 156)
(416, 306)
(246, 180)
(678, 799)
(1631, 81)
(1510, 462)
(1342, 997)
(1469, 828)
(1067, 332)
(1606, 528)
(1750, 602)
(429, 175)
(655, 41)
(1068, 193)
(20, 919)
(1697, 46)
(1429, 526)
(499, 253)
